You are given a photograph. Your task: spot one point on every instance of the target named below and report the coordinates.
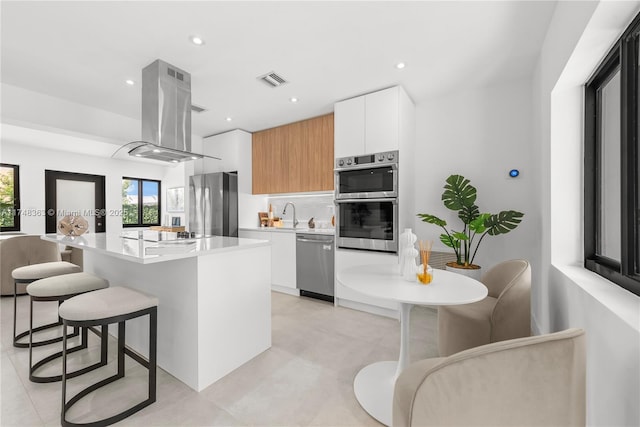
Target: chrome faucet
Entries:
(284, 211)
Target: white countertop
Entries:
(134, 250)
(331, 230)
(385, 281)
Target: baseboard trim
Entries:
(285, 290)
(380, 311)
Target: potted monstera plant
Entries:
(459, 195)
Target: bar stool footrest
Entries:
(21, 335)
(81, 346)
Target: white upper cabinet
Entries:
(371, 123)
(234, 150)
(381, 121)
(223, 146)
(349, 127)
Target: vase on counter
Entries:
(407, 254)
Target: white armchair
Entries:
(533, 381)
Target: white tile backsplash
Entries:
(319, 207)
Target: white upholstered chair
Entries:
(533, 381)
(504, 314)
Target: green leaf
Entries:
(503, 222)
(477, 225)
(449, 241)
(458, 193)
(467, 214)
(432, 219)
(460, 236)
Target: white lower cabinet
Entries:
(283, 258)
(349, 298)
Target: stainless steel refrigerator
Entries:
(213, 204)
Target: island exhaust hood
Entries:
(166, 115)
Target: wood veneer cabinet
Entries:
(293, 158)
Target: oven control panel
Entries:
(384, 158)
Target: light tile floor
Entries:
(304, 379)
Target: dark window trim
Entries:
(16, 197)
(140, 202)
(51, 196)
(623, 56)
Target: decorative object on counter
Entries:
(311, 223)
(270, 222)
(333, 220)
(425, 273)
(407, 255)
(73, 225)
(263, 218)
(175, 221)
(459, 195)
(175, 199)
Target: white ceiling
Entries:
(84, 51)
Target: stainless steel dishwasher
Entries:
(314, 265)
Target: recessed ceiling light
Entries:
(194, 157)
(293, 99)
(138, 155)
(156, 150)
(400, 65)
(228, 119)
(130, 82)
(196, 40)
(174, 161)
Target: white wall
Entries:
(579, 36)
(40, 111)
(481, 134)
(33, 160)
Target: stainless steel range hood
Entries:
(166, 115)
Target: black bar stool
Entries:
(101, 308)
(61, 288)
(29, 274)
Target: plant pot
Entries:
(472, 270)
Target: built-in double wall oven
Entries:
(366, 190)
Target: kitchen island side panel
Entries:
(234, 310)
(174, 283)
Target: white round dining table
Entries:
(374, 384)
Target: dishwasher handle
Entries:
(302, 239)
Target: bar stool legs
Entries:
(104, 336)
(58, 289)
(29, 274)
(18, 337)
(150, 364)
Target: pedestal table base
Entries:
(373, 387)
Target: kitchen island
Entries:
(214, 311)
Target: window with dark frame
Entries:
(9, 197)
(141, 202)
(612, 164)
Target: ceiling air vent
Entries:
(272, 79)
